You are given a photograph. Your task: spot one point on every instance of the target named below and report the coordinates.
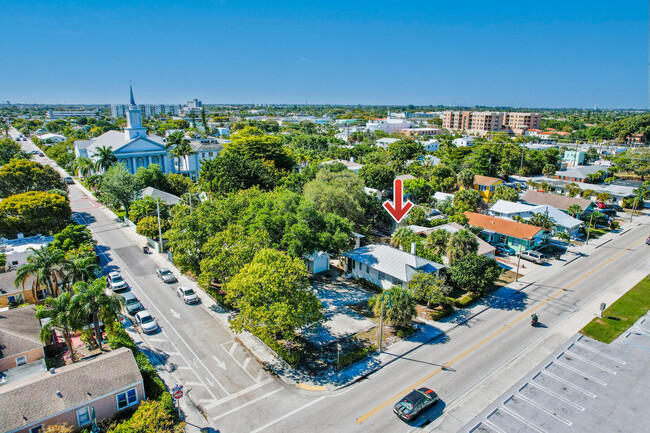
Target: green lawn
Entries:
(621, 314)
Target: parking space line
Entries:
(183, 367)
(559, 397)
(259, 375)
(595, 364)
(243, 367)
(173, 353)
(261, 397)
(246, 362)
(566, 382)
(492, 426)
(158, 340)
(543, 409)
(591, 349)
(194, 384)
(575, 370)
(238, 394)
(232, 349)
(520, 418)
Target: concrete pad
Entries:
(342, 323)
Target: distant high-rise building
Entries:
(148, 110)
(490, 121)
(51, 114)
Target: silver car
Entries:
(187, 295)
(533, 256)
(147, 323)
(131, 303)
(165, 275)
(115, 282)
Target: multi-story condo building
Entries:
(147, 110)
(482, 122)
(51, 114)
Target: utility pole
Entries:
(518, 262)
(591, 217)
(160, 244)
(381, 321)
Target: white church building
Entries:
(133, 147)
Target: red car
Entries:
(601, 205)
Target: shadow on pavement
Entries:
(84, 218)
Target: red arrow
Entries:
(400, 209)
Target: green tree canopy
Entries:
(377, 176)
(232, 172)
(71, 238)
(474, 273)
(119, 187)
(340, 193)
(34, 212)
(399, 306)
(503, 192)
(465, 179)
(20, 175)
(461, 244)
(272, 295)
(9, 149)
(430, 289)
(148, 226)
(251, 143)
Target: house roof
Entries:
(349, 164)
(503, 226)
(485, 180)
(442, 196)
(35, 398)
(392, 261)
(560, 218)
(509, 208)
(8, 286)
(405, 177)
(580, 171)
(483, 247)
(114, 140)
(559, 201)
(170, 199)
(19, 331)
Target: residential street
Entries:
(232, 385)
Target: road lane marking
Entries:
(163, 317)
(261, 397)
(219, 362)
(238, 394)
(287, 415)
(481, 343)
(248, 360)
(194, 384)
(232, 349)
(259, 375)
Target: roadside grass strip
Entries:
(621, 315)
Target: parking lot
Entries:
(587, 386)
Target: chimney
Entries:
(413, 247)
(357, 242)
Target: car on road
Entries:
(115, 282)
(533, 256)
(68, 180)
(187, 295)
(147, 323)
(414, 403)
(131, 303)
(165, 275)
(504, 249)
(40, 154)
(647, 241)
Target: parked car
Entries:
(131, 303)
(115, 282)
(187, 295)
(40, 153)
(415, 402)
(533, 256)
(68, 180)
(608, 212)
(600, 205)
(146, 322)
(505, 249)
(647, 241)
(165, 275)
(615, 207)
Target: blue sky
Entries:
(569, 53)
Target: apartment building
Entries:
(147, 110)
(482, 122)
(54, 115)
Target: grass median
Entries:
(621, 314)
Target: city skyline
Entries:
(577, 55)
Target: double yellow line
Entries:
(491, 336)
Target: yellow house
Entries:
(28, 293)
(486, 185)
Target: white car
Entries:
(165, 275)
(146, 322)
(187, 295)
(115, 282)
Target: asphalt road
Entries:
(239, 399)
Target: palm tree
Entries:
(105, 158)
(45, 265)
(460, 244)
(83, 166)
(91, 299)
(183, 150)
(465, 179)
(574, 210)
(80, 268)
(61, 316)
(437, 242)
(399, 306)
(178, 145)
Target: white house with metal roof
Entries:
(133, 147)
(386, 266)
(562, 222)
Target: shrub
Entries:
(356, 354)
(467, 299)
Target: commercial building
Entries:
(147, 110)
(52, 114)
(422, 132)
(482, 122)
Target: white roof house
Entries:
(53, 138)
(17, 250)
(563, 222)
(442, 196)
(484, 248)
(385, 142)
(463, 141)
(431, 145)
(386, 266)
(169, 199)
(350, 165)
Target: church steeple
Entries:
(134, 126)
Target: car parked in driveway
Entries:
(187, 295)
(165, 275)
(115, 282)
(600, 205)
(131, 303)
(533, 256)
(147, 323)
(414, 403)
(68, 180)
(504, 249)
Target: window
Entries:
(126, 399)
(382, 276)
(36, 429)
(396, 281)
(367, 269)
(354, 264)
(41, 294)
(21, 360)
(83, 416)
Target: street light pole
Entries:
(160, 245)
(381, 321)
(591, 217)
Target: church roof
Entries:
(131, 91)
(113, 140)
